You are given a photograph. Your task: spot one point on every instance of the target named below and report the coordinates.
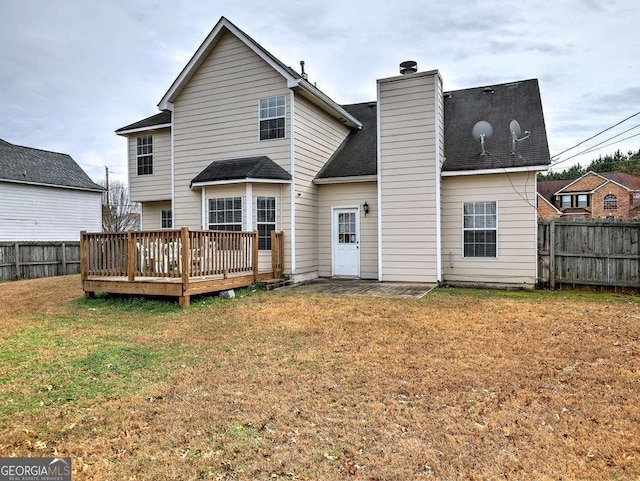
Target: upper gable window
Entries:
(272, 118)
(145, 155)
(610, 202)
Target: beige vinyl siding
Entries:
(516, 234)
(156, 186)
(152, 214)
(336, 195)
(409, 117)
(317, 136)
(216, 118)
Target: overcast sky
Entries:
(73, 71)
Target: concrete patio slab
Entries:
(364, 288)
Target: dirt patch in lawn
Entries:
(463, 384)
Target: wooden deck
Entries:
(178, 263)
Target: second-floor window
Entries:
(272, 118)
(225, 213)
(144, 154)
(610, 202)
(566, 200)
(583, 200)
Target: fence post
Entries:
(17, 251)
(131, 256)
(64, 259)
(552, 255)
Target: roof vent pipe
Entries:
(302, 74)
(407, 67)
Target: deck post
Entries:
(83, 255)
(255, 255)
(131, 256)
(184, 240)
(274, 253)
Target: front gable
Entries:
(587, 183)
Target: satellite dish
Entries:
(516, 132)
(482, 131)
(514, 127)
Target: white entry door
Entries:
(346, 242)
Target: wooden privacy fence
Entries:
(597, 252)
(31, 260)
(174, 262)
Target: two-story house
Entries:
(417, 185)
(593, 195)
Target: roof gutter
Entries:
(500, 170)
(42, 184)
(143, 129)
(240, 181)
(346, 180)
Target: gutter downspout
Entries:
(173, 173)
(439, 102)
(379, 181)
(293, 183)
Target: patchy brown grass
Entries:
(463, 384)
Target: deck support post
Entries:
(255, 255)
(186, 253)
(131, 256)
(83, 255)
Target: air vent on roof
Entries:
(409, 66)
(488, 90)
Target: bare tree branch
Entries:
(120, 214)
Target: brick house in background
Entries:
(594, 195)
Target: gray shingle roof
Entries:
(356, 155)
(158, 119)
(28, 165)
(498, 105)
(261, 167)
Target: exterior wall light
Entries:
(365, 208)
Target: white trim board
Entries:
(247, 180)
(501, 170)
(144, 129)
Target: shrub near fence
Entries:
(31, 260)
(598, 252)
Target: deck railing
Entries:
(180, 253)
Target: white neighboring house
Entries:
(45, 196)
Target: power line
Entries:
(594, 148)
(594, 136)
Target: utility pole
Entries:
(107, 183)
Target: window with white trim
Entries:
(583, 200)
(225, 213)
(480, 229)
(272, 118)
(566, 200)
(144, 154)
(166, 219)
(610, 202)
(265, 221)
